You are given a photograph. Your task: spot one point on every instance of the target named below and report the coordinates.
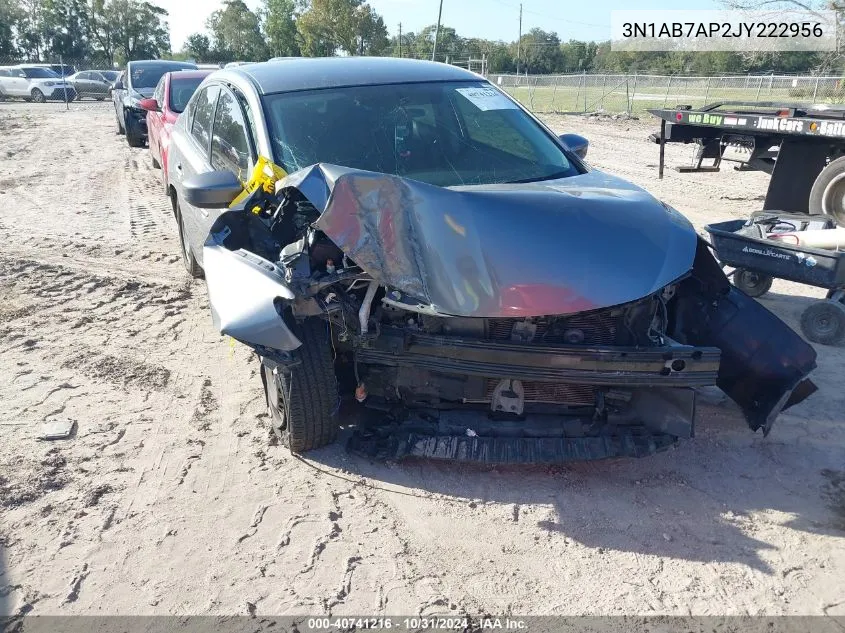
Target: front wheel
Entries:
(38, 96)
(751, 283)
(188, 259)
(302, 400)
(133, 135)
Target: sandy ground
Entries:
(171, 498)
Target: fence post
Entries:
(633, 95)
(64, 85)
(771, 85)
(578, 93)
(707, 90)
(603, 91)
(816, 89)
(585, 90)
(759, 86)
(666, 96)
(554, 92)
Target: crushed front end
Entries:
(448, 354)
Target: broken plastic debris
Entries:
(57, 429)
(361, 392)
(471, 433)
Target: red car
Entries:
(169, 99)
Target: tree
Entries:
(65, 28)
(139, 29)
(236, 33)
(449, 43)
(540, 52)
(280, 28)
(198, 47)
(100, 29)
(349, 26)
(9, 16)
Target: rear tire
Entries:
(303, 400)
(827, 195)
(752, 283)
(824, 322)
(38, 96)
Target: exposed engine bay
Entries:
(428, 323)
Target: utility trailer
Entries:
(802, 146)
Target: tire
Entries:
(133, 137)
(188, 259)
(100, 98)
(824, 322)
(752, 283)
(38, 96)
(303, 401)
(827, 195)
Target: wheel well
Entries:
(171, 193)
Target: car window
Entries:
(229, 145)
(181, 90)
(83, 76)
(110, 75)
(147, 75)
(95, 76)
(4, 73)
(203, 113)
(39, 73)
(18, 73)
(158, 95)
(442, 133)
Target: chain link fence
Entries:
(634, 94)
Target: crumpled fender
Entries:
(764, 364)
(244, 291)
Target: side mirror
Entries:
(576, 143)
(150, 105)
(211, 190)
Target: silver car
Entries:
(442, 267)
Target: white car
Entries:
(34, 83)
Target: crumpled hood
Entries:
(556, 247)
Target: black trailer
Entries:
(802, 146)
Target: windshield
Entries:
(147, 76)
(446, 134)
(181, 90)
(39, 73)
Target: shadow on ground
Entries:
(721, 497)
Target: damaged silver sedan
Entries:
(439, 270)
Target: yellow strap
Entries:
(264, 175)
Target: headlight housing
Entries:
(49, 83)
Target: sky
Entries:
(490, 19)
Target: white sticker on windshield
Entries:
(487, 99)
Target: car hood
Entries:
(555, 247)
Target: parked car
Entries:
(34, 83)
(438, 255)
(96, 84)
(138, 82)
(62, 70)
(169, 99)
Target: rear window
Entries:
(181, 90)
(147, 76)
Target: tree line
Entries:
(115, 31)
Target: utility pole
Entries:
(400, 39)
(437, 31)
(519, 40)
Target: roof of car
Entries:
(162, 62)
(328, 72)
(191, 74)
